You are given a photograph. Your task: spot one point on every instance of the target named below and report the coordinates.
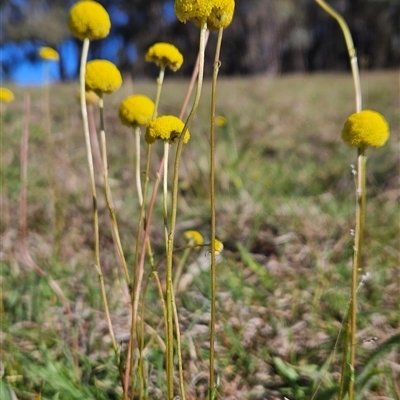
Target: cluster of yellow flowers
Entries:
(89, 20)
(217, 13)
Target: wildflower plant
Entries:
(88, 21)
(363, 129)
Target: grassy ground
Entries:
(285, 207)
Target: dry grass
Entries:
(284, 210)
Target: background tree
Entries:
(266, 36)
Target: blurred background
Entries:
(266, 36)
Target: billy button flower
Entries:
(6, 95)
(219, 246)
(90, 97)
(47, 53)
(136, 110)
(217, 13)
(102, 76)
(365, 128)
(194, 238)
(165, 55)
(167, 128)
(220, 121)
(89, 19)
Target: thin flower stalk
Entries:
(360, 210)
(85, 50)
(212, 206)
(358, 243)
(139, 265)
(142, 192)
(351, 50)
(107, 193)
(97, 264)
(179, 269)
(174, 206)
(178, 348)
(137, 166)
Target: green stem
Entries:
(165, 190)
(174, 206)
(138, 265)
(178, 348)
(97, 264)
(115, 236)
(160, 81)
(358, 243)
(360, 208)
(107, 193)
(137, 167)
(179, 269)
(85, 50)
(350, 48)
(213, 221)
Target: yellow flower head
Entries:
(6, 95)
(167, 128)
(194, 238)
(90, 97)
(217, 13)
(102, 76)
(220, 121)
(218, 246)
(165, 54)
(366, 128)
(136, 110)
(47, 53)
(89, 19)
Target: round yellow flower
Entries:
(136, 110)
(102, 76)
(219, 246)
(366, 128)
(47, 53)
(217, 13)
(220, 121)
(90, 97)
(194, 238)
(165, 54)
(167, 128)
(89, 19)
(6, 95)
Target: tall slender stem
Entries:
(107, 194)
(358, 242)
(360, 207)
(350, 48)
(85, 50)
(213, 221)
(137, 167)
(97, 264)
(174, 206)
